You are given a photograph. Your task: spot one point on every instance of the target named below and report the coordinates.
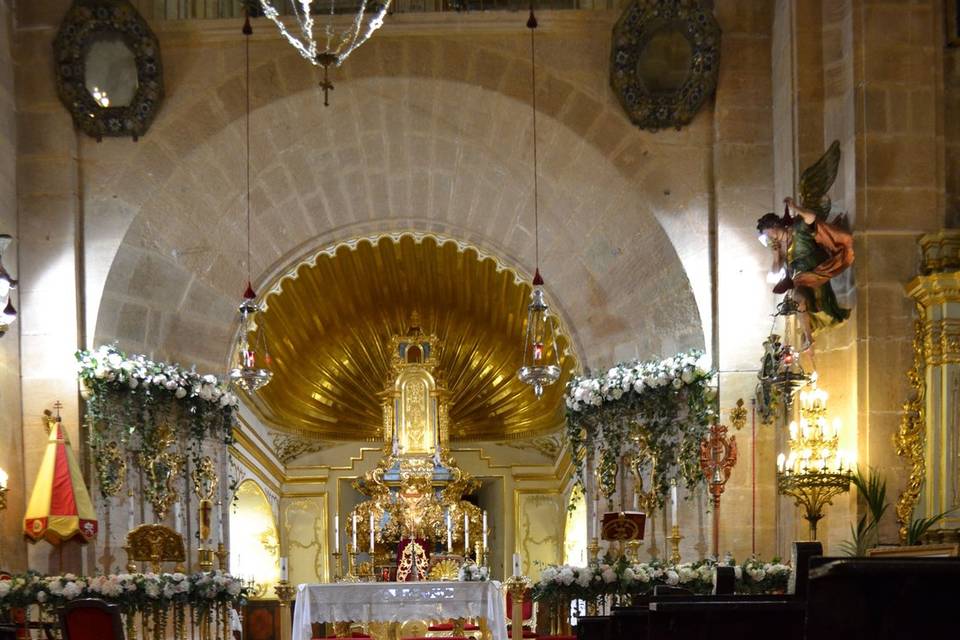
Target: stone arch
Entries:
(322, 176)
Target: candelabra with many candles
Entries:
(815, 470)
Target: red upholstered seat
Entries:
(527, 633)
(91, 619)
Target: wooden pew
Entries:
(883, 598)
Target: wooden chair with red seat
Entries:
(529, 615)
(91, 619)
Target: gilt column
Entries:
(929, 434)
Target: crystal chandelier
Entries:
(250, 361)
(541, 362)
(815, 471)
(324, 34)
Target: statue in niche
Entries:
(808, 251)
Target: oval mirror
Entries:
(110, 71)
(664, 63)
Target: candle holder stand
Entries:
(222, 556)
(336, 566)
(351, 566)
(284, 591)
(593, 550)
(205, 559)
(675, 539)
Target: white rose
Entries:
(584, 577)
(677, 383)
(4, 588)
(170, 385)
(180, 393)
(41, 596)
(114, 360)
(566, 576)
(688, 375)
(225, 400)
(673, 578)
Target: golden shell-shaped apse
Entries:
(329, 321)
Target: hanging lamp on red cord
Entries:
(541, 361)
(250, 361)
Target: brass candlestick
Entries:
(675, 539)
(131, 565)
(284, 591)
(205, 559)
(222, 556)
(478, 553)
(516, 587)
(351, 567)
(633, 550)
(336, 565)
(593, 550)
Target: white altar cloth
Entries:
(399, 602)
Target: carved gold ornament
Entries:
(909, 440)
(156, 544)
(112, 469)
(412, 553)
(161, 471)
(205, 479)
(446, 569)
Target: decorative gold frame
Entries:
(156, 544)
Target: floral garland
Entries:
(132, 591)
(130, 400)
(665, 404)
(566, 582)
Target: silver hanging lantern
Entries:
(251, 360)
(541, 361)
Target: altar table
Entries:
(399, 602)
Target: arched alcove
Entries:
(254, 539)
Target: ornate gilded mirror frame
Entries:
(85, 21)
(640, 22)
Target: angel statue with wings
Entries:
(808, 250)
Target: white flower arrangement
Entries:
(471, 572)
(109, 365)
(132, 591)
(668, 404)
(621, 577)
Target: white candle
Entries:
(336, 533)
(130, 518)
(484, 530)
(516, 565)
(673, 503)
(449, 534)
(219, 510)
(177, 523)
(466, 535)
(284, 575)
(371, 534)
(354, 532)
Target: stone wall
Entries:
(11, 442)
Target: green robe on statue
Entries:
(817, 253)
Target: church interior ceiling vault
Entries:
(328, 323)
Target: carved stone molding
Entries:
(289, 448)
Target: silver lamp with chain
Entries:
(250, 360)
(541, 361)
